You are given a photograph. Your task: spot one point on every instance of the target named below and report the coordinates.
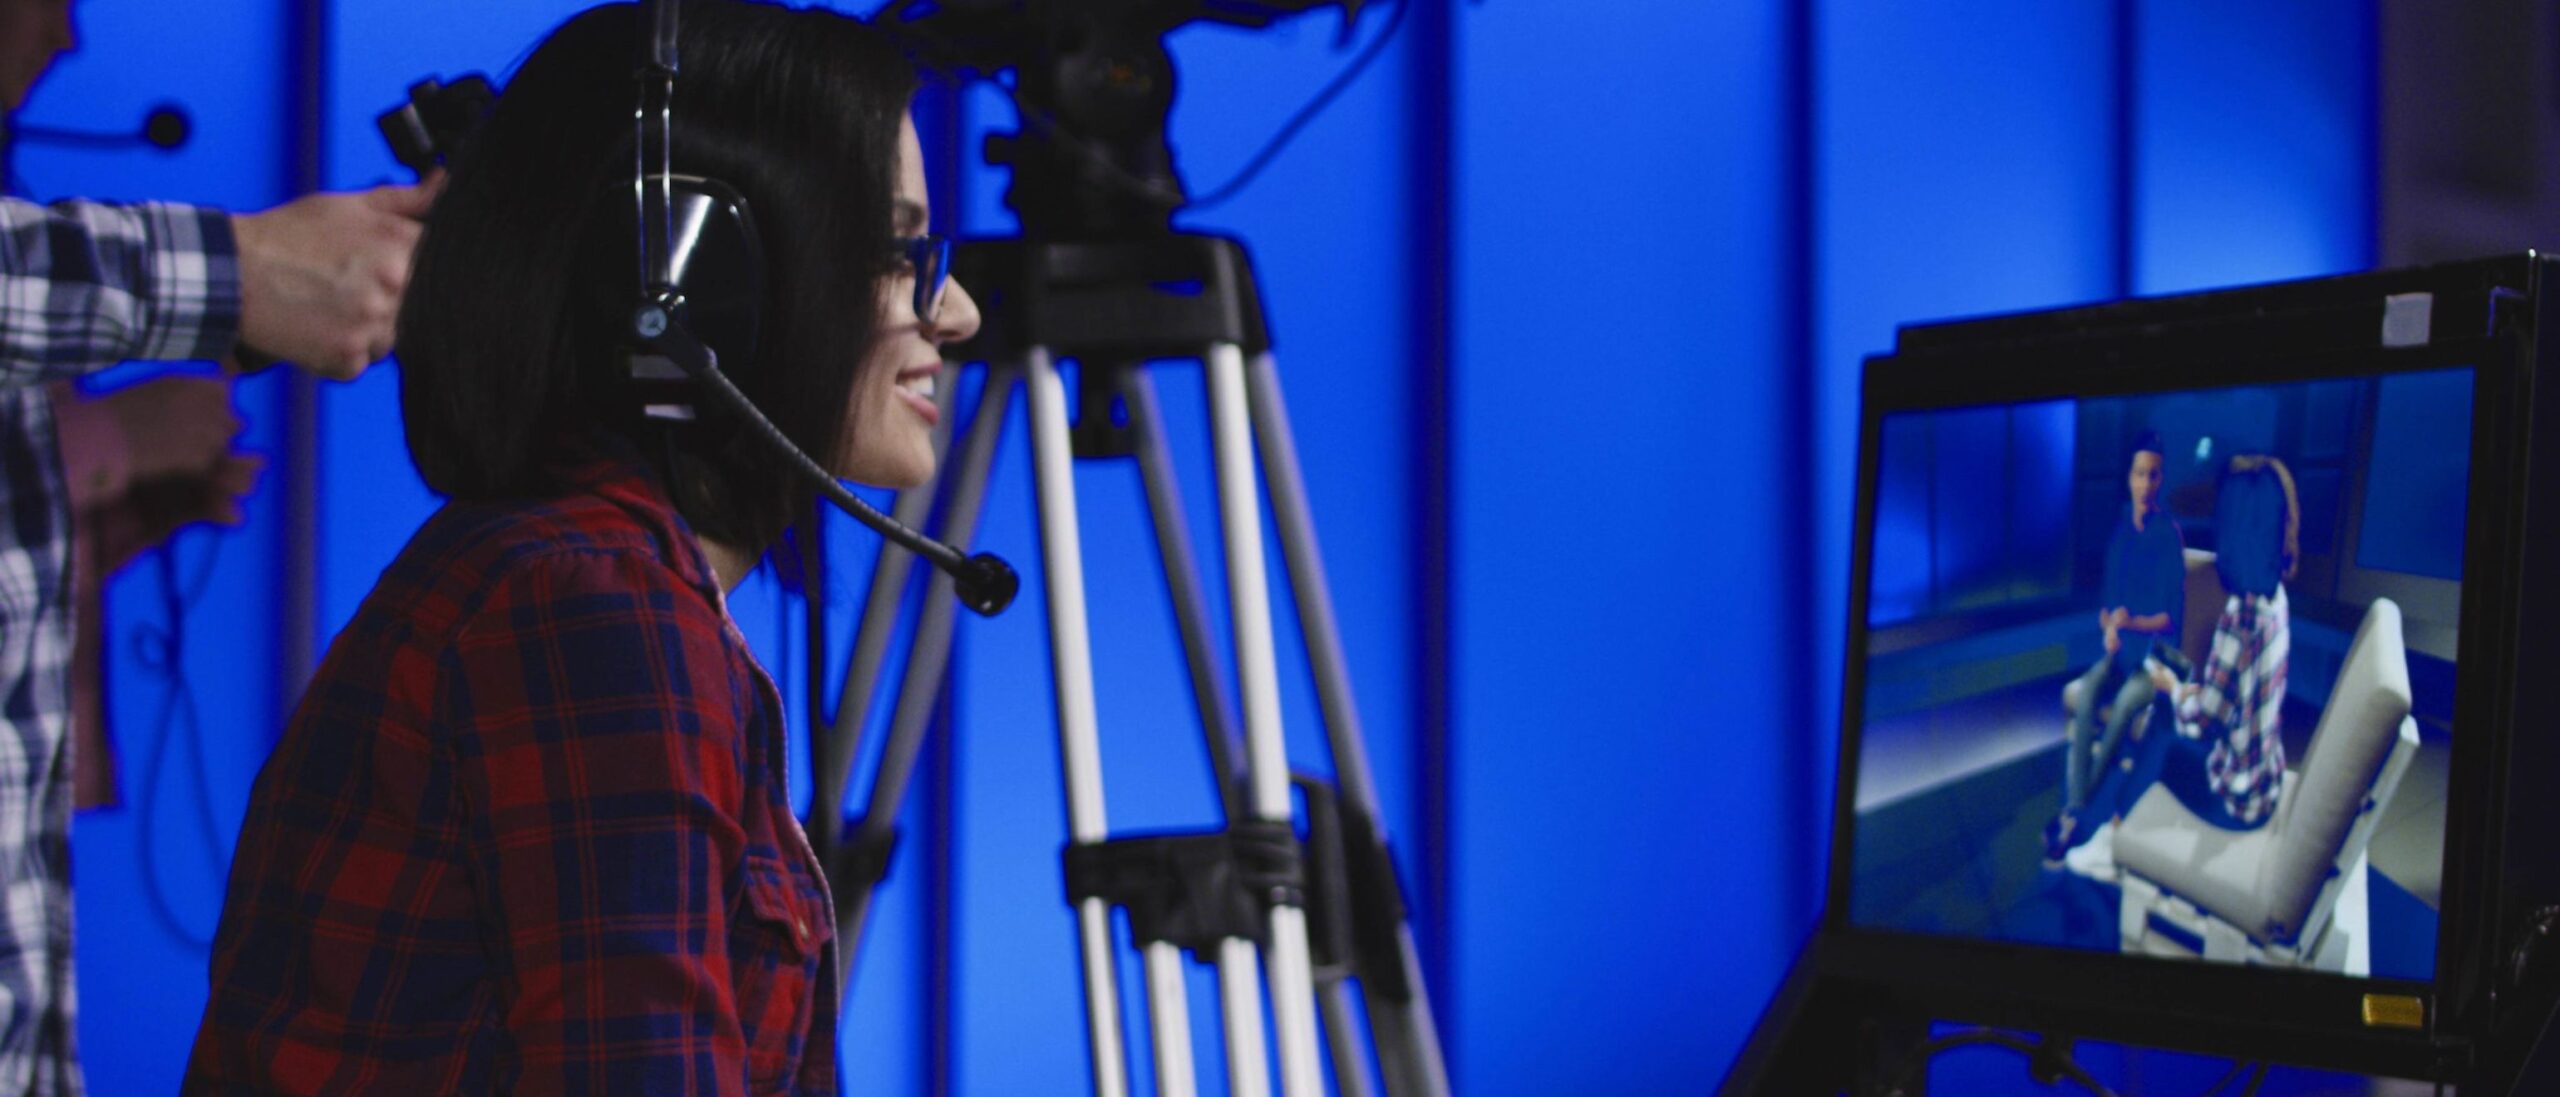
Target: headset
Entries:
(701, 270)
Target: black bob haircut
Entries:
(510, 335)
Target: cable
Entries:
(2257, 1078)
(2236, 1067)
(1918, 1062)
(1306, 114)
(1111, 172)
(162, 648)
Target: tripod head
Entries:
(1094, 86)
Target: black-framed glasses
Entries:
(929, 257)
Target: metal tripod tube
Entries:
(1240, 1003)
(1239, 981)
(1408, 1038)
(1169, 1017)
(1062, 557)
(1182, 584)
(1267, 763)
(1342, 1039)
(929, 655)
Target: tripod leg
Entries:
(929, 655)
(1240, 1000)
(1169, 1016)
(1408, 1039)
(1182, 583)
(1342, 1039)
(1240, 1003)
(1062, 560)
(1249, 597)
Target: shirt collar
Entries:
(609, 467)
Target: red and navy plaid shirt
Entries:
(529, 832)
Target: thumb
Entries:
(411, 201)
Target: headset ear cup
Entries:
(717, 268)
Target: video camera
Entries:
(1094, 86)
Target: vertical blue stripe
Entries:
(306, 107)
(1808, 812)
(928, 834)
(1430, 120)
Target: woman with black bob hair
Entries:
(530, 829)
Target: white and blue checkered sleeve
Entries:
(84, 285)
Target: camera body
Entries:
(1094, 86)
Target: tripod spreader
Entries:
(859, 860)
(1192, 890)
(1197, 889)
(1355, 904)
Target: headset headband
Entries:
(653, 206)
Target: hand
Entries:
(173, 426)
(2117, 618)
(321, 276)
(157, 509)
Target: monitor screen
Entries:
(2166, 674)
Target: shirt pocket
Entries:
(775, 944)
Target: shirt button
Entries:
(799, 928)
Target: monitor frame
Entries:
(2482, 317)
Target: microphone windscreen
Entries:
(167, 126)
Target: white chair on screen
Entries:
(2293, 892)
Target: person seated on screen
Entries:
(2227, 761)
(529, 830)
(2141, 589)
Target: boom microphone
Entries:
(166, 128)
(984, 582)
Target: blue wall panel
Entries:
(1623, 859)
(2254, 141)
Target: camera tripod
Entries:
(1247, 898)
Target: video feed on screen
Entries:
(2168, 674)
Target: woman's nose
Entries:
(958, 318)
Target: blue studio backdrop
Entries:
(1569, 301)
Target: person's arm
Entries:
(2150, 623)
(316, 281)
(2111, 614)
(321, 276)
(601, 758)
(2214, 698)
(85, 285)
